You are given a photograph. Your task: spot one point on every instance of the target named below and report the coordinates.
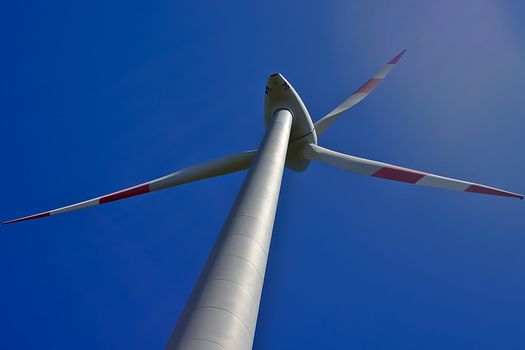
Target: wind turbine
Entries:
(221, 312)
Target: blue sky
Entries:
(103, 95)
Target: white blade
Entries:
(357, 96)
(393, 172)
(217, 167)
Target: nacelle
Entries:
(280, 94)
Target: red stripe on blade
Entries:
(30, 217)
(493, 191)
(130, 192)
(397, 58)
(399, 175)
(368, 86)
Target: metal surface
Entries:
(222, 310)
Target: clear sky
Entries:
(102, 95)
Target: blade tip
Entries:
(397, 57)
(30, 217)
(492, 191)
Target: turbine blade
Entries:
(365, 89)
(217, 167)
(393, 172)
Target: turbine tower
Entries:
(222, 310)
